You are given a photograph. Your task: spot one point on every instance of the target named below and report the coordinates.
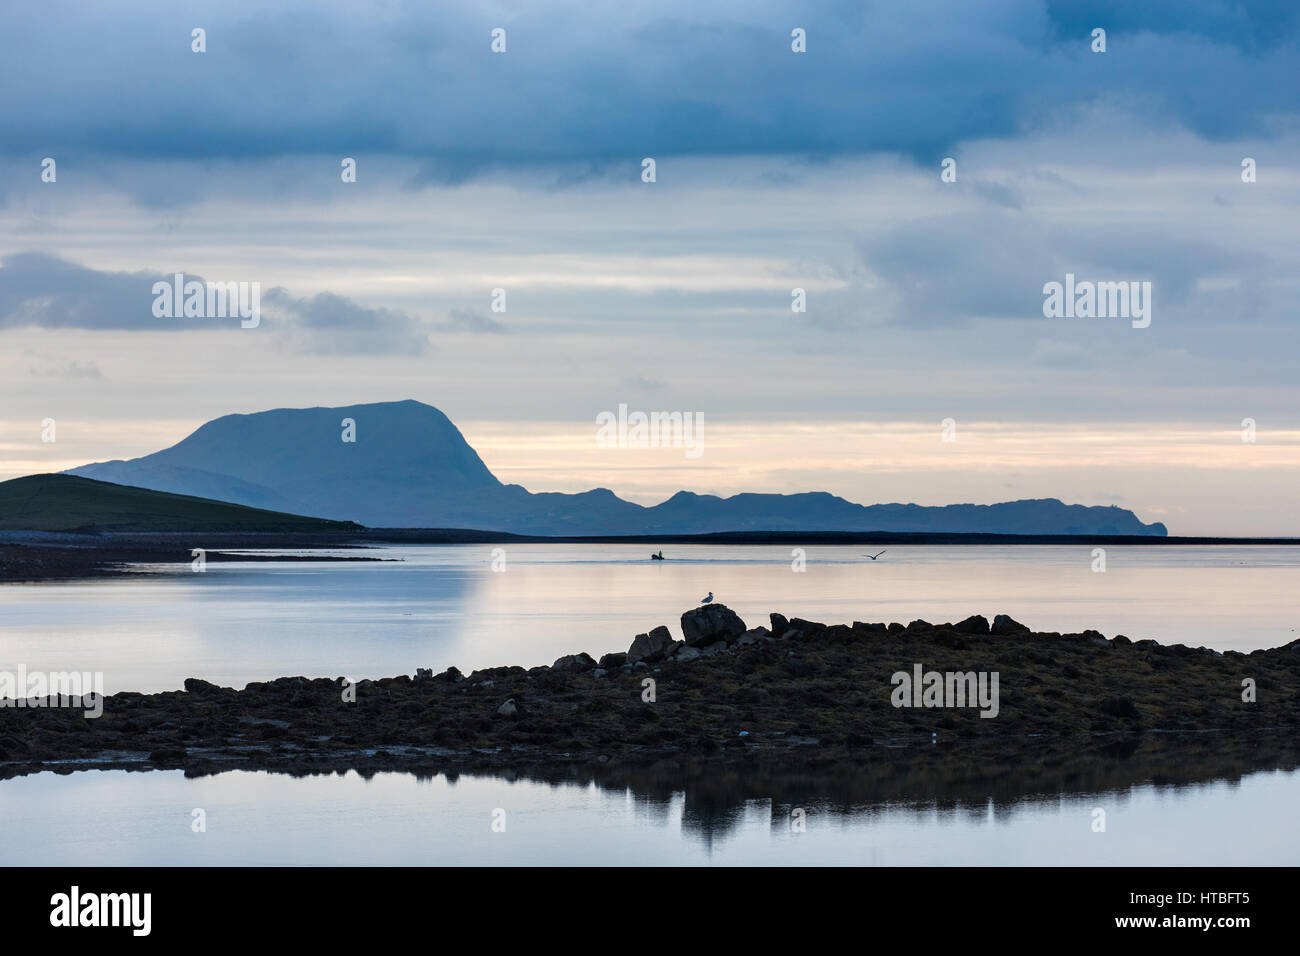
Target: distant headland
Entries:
(405, 465)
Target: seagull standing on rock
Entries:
(707, 599)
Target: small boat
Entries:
(657, 557)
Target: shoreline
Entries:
(819, 693)
(32, 557)
(46, 557)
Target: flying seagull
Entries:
(874, 556)
(707, 599)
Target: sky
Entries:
(775, 170)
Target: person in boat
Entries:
(658, 557)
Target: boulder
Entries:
(1097, 638)
(869, 628)
(975, 624)
(574, 663)
(688, 654)
(201, 687)
(616, 659)
(752, 636)
(919, 627)
(508, 709)
(1004, 625)
(710, 624)
(779, 624)
(650, 647)
(452, 675)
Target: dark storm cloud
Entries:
(593, 84)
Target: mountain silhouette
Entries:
(410, 467)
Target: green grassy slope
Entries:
(69, 503)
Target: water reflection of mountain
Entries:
(971, 780)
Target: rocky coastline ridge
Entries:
(830, 693)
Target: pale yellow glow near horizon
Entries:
(1242, 487)
(560, 448)
(978, 444)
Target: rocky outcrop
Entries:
(195, 686)
(574, 663)
(829, 689)
(1005, 626)
(650, 647)
(975, 624)
(711, 623)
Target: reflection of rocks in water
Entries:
(962, 779)
(969, 778)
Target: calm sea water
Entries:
(444, 605)
(103, 818)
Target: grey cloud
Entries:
(467, 320)
(950, 269)
(46, 291)
(70, 371)
(639, 383)
(43, 290)
(1053, 354)
(332, 324)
